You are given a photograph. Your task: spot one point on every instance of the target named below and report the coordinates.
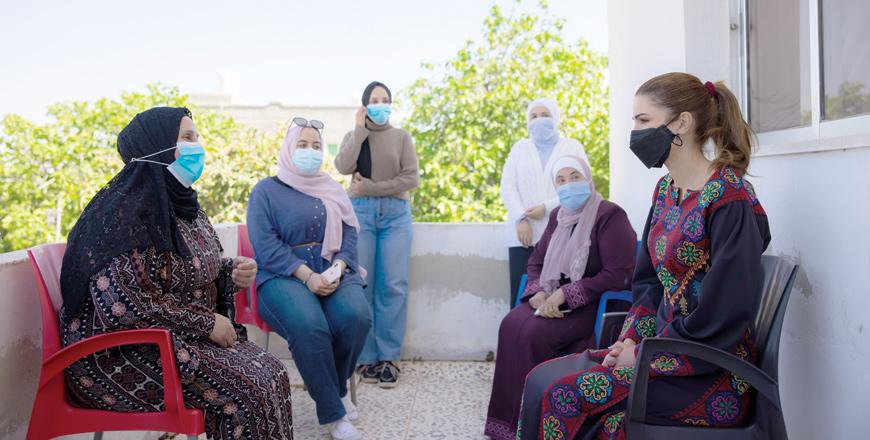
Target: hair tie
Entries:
(711, 88)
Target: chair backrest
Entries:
(247, 309)
(779, 276)
(45, 262)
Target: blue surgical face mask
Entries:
(543, 131)
(379, 113)
(308, 160)
(573, 195)
(189, 165)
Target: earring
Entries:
(678, 138)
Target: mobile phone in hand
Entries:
(332, 274)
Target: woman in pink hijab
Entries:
(304, 233)
(587, 248)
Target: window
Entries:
(845, 58)
(779, 64)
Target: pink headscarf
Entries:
(568, 251)
(319, 185)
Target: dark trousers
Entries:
(519, 261)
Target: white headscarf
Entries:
(549, 104)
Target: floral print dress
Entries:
(697, 278)
(243, 390)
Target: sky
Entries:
(317, 52)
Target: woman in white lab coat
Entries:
(526, 185)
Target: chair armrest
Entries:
(606, 297)
(608, 321)
(172, 392)
(758, 379)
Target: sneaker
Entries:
(343, 429)
(350, 408)
(369, 373)
(389, 377)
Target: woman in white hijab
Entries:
(526, 186)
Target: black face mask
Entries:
(653, 145)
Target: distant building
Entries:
(271, 117)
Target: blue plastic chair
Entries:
(523, 281)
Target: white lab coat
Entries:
(525, 183)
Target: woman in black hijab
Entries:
(143, 255)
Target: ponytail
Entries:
(733, 137)
(716, 112)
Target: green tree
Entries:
(50, 171)
(469, 111)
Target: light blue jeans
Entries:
(384, 248)
(324, 334)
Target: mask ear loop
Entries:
(142, 159)
(677, 138)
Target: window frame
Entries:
(839, 134)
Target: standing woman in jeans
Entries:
(383, 162)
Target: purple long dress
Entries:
(525, 340)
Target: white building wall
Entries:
(817, 202)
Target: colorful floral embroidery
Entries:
(668, 280)
(565, 401)
(739, 384)
(693, 226)
(629, 321)
(696, 288)
(658, 208)
(697, 421)
(646, 326)
(623, 375)
(665, 364)
(723, 407)
(613, 422)
(552, 428)
(596, 387)
(661, 247)
(711, 192)
(730, 176)
(689, 254)
(673, 217)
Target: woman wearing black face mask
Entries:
(697, 276)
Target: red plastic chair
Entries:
(246, 299)
(53, 415)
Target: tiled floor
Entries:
(434, 400)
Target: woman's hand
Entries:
(223, 334)
(538, 300)
(536, 212)
(524, 232)
(244, 272)
(356, 185)
(360, 117)
(550, 308)
(318, 285)
(621, 354)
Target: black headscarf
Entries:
(364, 159)
(367, 93)
(137, 209)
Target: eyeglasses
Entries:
(302, 122)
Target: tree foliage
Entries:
(469, 111)
(50, 171)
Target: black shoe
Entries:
(389, 375)
(369, 373)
